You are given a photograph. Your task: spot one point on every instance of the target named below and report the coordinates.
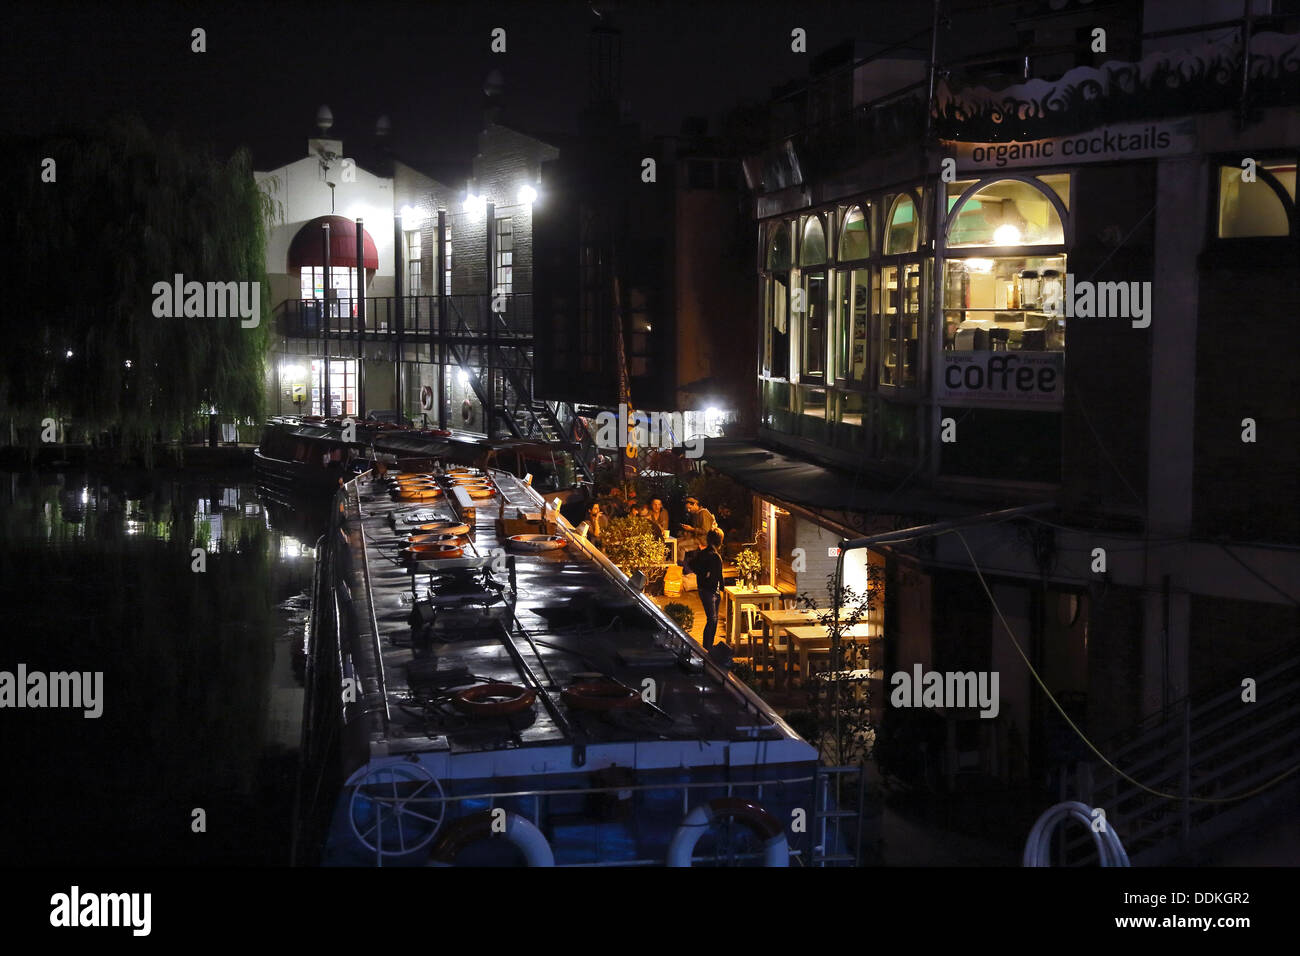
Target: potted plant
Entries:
(749, 567)
(681, 615)
(633, 546)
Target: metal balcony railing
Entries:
(506, 317)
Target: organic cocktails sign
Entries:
(1103, 144)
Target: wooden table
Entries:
(776, 620)
(765, 595)
(808, 637)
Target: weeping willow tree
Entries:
(126, 209)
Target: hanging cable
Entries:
(1081, 735)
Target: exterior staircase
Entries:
(1212, 745)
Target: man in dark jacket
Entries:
(706, 565)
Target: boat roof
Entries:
(571, 613)
(413, 441)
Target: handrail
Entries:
(1193, 748)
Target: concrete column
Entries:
(1181, 185)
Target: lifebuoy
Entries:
(479, 826)
(493, 700)
(776, 850)
(600, 695)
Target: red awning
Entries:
(305, 250)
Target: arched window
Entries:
(812, 251)
(778, 253)
(776, 293)
(813, 280)
(855, 238)
(1008, 212)
(901, 234)
(1265, 207)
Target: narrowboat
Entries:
(497, 693)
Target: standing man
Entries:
(695, 532)
(706, 564)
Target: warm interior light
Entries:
(1006, 235)
(982, 265)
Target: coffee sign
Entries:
(1002, 378)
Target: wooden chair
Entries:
(749, 627)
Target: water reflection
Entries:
(200, 698)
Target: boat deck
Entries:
(568, 617)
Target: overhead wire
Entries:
(1084, 737)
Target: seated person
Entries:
(597, 522)
(659, 515)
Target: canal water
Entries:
(189, 595)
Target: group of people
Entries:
(599, 515)
(692, 535)
(699, 544)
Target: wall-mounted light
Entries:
(474, 205)
(410, 217)
(527, 194)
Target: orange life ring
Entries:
(481, 700)
(419, 494)
(432, 552)
(442, 527)
(600, 695)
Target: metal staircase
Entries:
(508, 349)
(1211, 745)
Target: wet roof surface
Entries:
(581, 622)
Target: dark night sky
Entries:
(269, 65)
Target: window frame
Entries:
(1215, 199)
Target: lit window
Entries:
(1007, 213)
(1264, 207)
(413, 262)
(901, 235)
(505, 256)
(855, 242)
